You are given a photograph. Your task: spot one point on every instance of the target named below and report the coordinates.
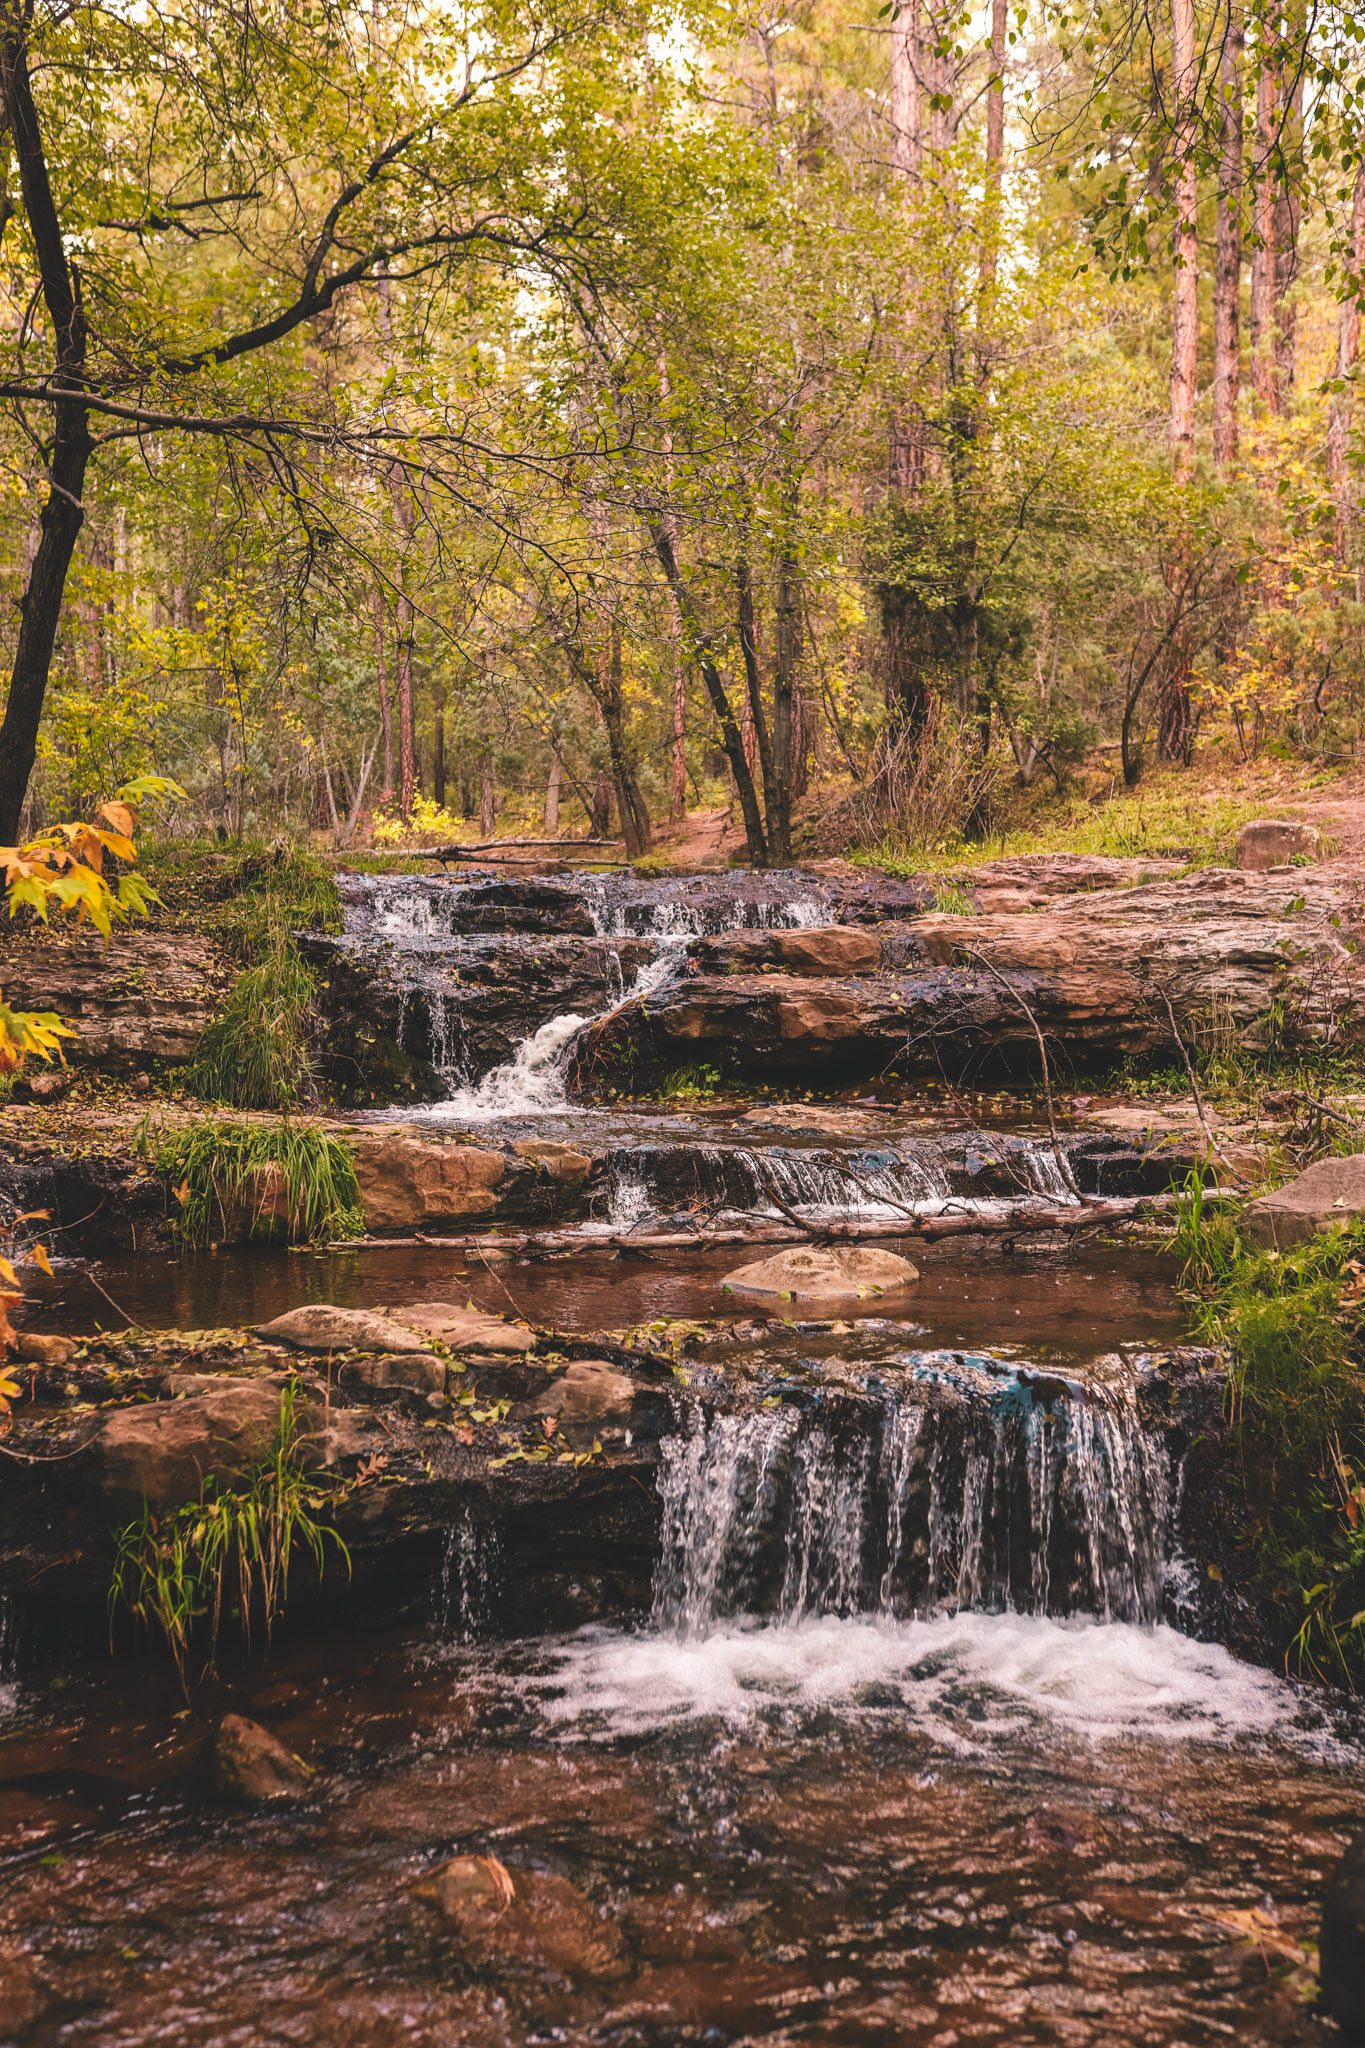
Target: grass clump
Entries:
(257, 1052)
(176, 1570)
(1292, 1325)
(233, 1179)
(253, 899)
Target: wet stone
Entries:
(252, 1768)
(510, 1922)
(824, 1274)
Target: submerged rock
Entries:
(251, 1767)
(824, 1273)
(1324, 1196)
(1342, 1949)
(514, 1922)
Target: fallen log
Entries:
(508, 848)
(1028, 1219)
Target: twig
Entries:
(1215, 1148)
(1017, 995)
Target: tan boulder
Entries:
(320, 1326)
(511, 1923)
(466, 1329)
(1272, 842)
(1325, 1196)
(564, 1163)
(420, 1372)
(824, 1274)
(410, 1183)
(589, 1396)
(31, 1348)
(162, 1451)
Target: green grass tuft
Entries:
(232, 1179)
(1292, 1326)
(257, 1053)
(173, 1568)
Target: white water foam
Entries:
(963, 1679)
(528, 1084)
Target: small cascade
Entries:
(920, 1176)
(965, 1489)
(528, 1084)
(466, 1596)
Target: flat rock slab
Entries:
(1325, 1196)
(824, 1274)
(467, 1329)
(319, 1326)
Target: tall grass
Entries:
(231, 1179)
(173, 1568)
(1292, 1327)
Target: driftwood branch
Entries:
(509, 848)
(1016, 995)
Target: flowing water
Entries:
(913, 1742)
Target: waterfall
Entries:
(466, 1596)
(916, 1502)
(528, 1084)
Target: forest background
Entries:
(420, 422)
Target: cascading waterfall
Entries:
(532, 1082)
(912, 1503)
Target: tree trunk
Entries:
(488, 797)
(1227, 265)
(907, 152)
(381, 666)
(1185, 318)
(407, 731)
(63, 512)
(1288, 207)
(995, 147)
(786, 662)
(731, 739)
(1263, 265)
(438, 747)
(552, 786)
(755, 724)
(1348, 352)
(677, 807)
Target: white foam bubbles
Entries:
(963, 1679)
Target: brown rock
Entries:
(408, 1183)
(320, 1326)
(422, 1372)
(148, 997)
(818, 1273)
(467, 1329)
(252, 1768)
(510, 1922)
(1271, 842)
(31, 1348)
(564, 1163)
(1325, 1196)
(588, 1397)
(162, 1451)
(23, 1995)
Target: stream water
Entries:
(909, 1747)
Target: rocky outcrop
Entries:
(1342, 1946)
(1113, 974)
(143, 997)
(1328, 1195)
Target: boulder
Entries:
(1273, 842)
(409, 1183)
(252, 1768)
(1342, 1946)
(467, 1329)
(828, 1274)
(162, 1451)
(1325, 1195)
(419, 1372)
(322, 1327)
(30, 1348)
(589, 1397)
(510, 1923)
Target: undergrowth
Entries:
(257, 1180)
(178, 1570)
(257, 1053)
(1292, 1326)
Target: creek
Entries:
(910, 1738)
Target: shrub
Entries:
(290, 1179)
